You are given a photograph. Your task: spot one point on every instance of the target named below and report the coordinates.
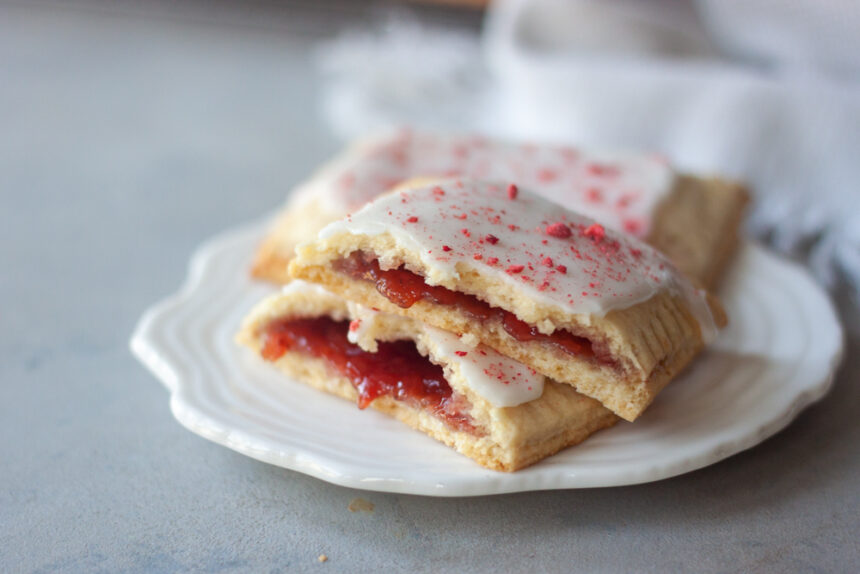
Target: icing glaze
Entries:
(500, 380)
(621, 190)
(318, 292)
(364, 326)
(548, 254)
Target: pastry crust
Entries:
(695, 221)
(649, 342)
(698, 226)
(293, 224)
(507, 438)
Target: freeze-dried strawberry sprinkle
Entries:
(595, 231)
(559, 230)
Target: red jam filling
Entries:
(397, 369)
(404, 289)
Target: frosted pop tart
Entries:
(486, 406)
(498, 265)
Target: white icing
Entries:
(621, 190)
(697, 300)
(362, 328)
(299, 286)
(500, 380)
(592, 271)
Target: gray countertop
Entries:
(127, 140)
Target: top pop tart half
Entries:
(499, 265)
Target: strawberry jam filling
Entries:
(397, 369)
(404, 289)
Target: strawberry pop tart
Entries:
(497, 265)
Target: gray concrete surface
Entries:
(125, 141)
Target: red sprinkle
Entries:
(603, 170)
(547, 261)
(438, 191)
(632, 226)
(477, 256)
(466, 232)
(512, 191)
(558, 230)
(593, 194)
(493, 260)
(561, 269)
(461, 353)
(515, 269)
(595, 231)
(547, 175)
(446, 248)
(354, 325)
(491, 239)
(412, 219)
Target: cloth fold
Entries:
(643, 75)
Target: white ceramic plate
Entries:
(777, 356)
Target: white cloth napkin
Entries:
(779, 110)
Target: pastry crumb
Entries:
(470, 339)
(359, 505)
(322, 558)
